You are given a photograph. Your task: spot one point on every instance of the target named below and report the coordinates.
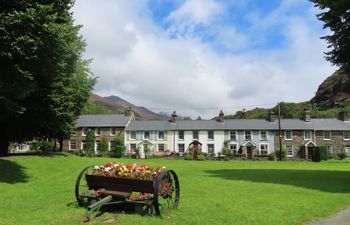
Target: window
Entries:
(347, 135)
(307, 134)
(210, 135)
(132, 147)
(97, 131)
(132, 135)
(326, 135)
(146, 135)
(211, 148)
(329, 149)
(181, 135)
(112, 145)
(98, 145)
(233, 135)
(247, 135)
(264, 148)
(289, 150)
(161, 135)
(233, 148)
(113, 131)
(195, 134)
(263, 135)
(72, 145)
(288, 135)
(83, 145)
(181, 147)
(85, 131)
(161, 147)
(347, 149)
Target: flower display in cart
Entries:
(113, 169)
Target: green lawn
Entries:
(40, 190)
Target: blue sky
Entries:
(179, 54)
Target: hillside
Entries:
(117, 105)
(331, 96)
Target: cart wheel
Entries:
(166, 192)
(82, 188)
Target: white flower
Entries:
(96, 167)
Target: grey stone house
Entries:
(109, 126)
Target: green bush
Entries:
(342, 155)
(103, 145)
(119, 151)
(41, 145)
(277, 154)
(320, 153)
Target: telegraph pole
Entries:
(279, 129)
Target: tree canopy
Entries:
(44, 80)
(337, 19)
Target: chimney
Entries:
(173, 117)
(271, 116)
(221, 117)
(343, 115)
(307, 115)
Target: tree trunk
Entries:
(4, 146)
(61, 144)
(54, 145)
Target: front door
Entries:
(249, 152)
(310, 153)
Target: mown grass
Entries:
(40, 190)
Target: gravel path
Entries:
(340, 218)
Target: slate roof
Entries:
(102, 121)
(241, 124)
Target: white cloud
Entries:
(137, 60)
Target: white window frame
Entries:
(348, 135)
(266, 133)
(231, 149)
(70, 142)
(110, 145)
(163, 147)
(131, 136)
(267, 148)
(211, 138)
(97, 131)
(305, 135)
(132, 149)
(178, 147)
(330, 149)
(245, 135)
(97, 143)
(233, 133)
(288, 155)
(83, 133)
(115, 131)
(330, 135)
(291, 135)
(183, 135)
(82, 145)
(213, 148)
(347, 149)
(159, 138)
(144, 135)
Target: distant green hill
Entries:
(331, 96)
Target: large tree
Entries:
(336, 17)
(44, 81)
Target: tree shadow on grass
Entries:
(11, 172)
(322, 180)
(41, 154)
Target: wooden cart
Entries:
(154, 196)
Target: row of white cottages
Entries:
(243, 136)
